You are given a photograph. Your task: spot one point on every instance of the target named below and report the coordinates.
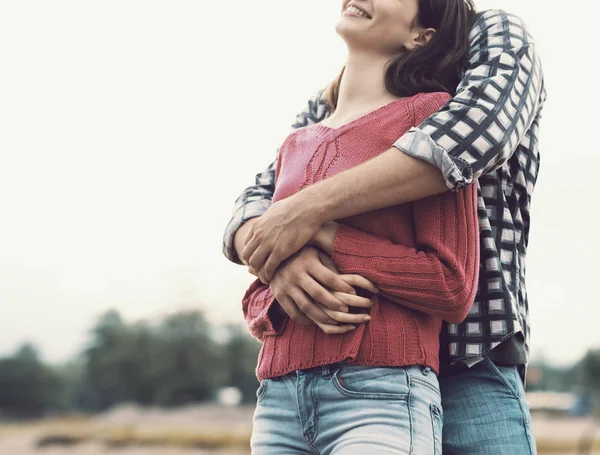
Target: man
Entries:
(487, 135)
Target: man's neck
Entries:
(362, 88)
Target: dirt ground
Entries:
(22, 440)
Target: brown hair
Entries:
(436, 67)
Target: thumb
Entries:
(328, 262)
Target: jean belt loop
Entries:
(326, 371)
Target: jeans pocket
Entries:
(437, 425)
(262, 388)
(378, 383)
(507, 376)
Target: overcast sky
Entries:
(128, 128)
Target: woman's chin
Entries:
(349, 30)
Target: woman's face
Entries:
(383, 26)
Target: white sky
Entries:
(128, 128)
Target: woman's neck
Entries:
(362, 88)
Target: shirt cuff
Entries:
(252, 209)
(456, 171)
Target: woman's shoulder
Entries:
(434, 100)
(425, 104)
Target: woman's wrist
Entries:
(325, 237)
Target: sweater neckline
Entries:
(363, 118)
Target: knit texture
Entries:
(424, 255)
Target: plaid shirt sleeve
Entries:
(256, 199)
(495, 104)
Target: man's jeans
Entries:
(485, 412)
(349, 410)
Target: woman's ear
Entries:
(419, 37)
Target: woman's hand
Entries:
(309, 291)
(356, 281)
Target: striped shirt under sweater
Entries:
(425, 253)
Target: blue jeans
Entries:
(349, 410)
(485, 412)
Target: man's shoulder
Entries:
(499, 17)
(492, 24)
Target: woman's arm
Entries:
(438, 276)
(262, 313)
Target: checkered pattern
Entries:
(487, 133)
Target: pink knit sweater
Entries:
(425, 253)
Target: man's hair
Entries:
(436, 67)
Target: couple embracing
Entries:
(389, 240)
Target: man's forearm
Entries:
(390, 179)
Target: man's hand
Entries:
(239, 239)
(301, 286)
(280, 232)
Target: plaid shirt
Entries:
(488, 134)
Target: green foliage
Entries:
(23, 383)
(588, 371)
(174, 362)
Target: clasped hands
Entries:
(310, 289)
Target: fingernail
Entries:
(367, 318)
(353, 328)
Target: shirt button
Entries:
(425, 371)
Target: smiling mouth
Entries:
(358, 11)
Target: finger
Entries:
(263, 278)
(347, 318)
(332, 280)
(309, 308)
(360, 282)
(320, 294)
(328, 262)
(289, 306)
(249, 235)
(252, 271)
(258, 259)
(335, 329)
(353, 300)
(250, 247)
(271, 265)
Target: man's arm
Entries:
(253, 202)
(476, 132)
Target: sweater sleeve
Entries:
(439, 275)
(258, 306)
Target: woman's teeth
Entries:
(355, 10)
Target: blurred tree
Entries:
(189, 360)
(175, 362)
(588, 371)
(25, 383)
(240, 353)
(549, 377)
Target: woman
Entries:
(372, 387)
